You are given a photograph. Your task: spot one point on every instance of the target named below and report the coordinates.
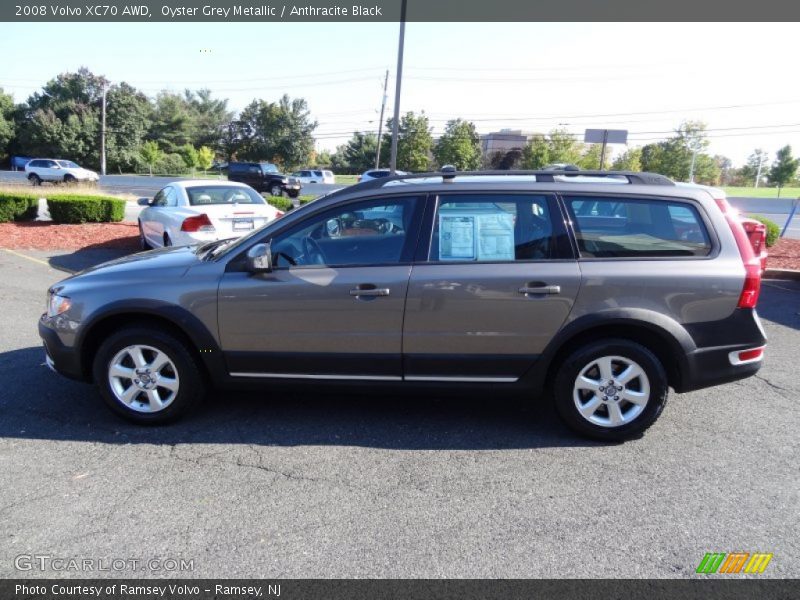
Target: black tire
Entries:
(70, 180)
(34, 179)
(565, 383)
(294, 194)
(191, 381)
(275, 190)
(143, 243)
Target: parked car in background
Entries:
(54, 170)
(377, 174)
(315, 176)
(264, 177)
(191, 212)
(606, 290)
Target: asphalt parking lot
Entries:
(322, 485)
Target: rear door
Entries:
(492, 286)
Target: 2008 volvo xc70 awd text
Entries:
(601, 289)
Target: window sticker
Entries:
(457, 237)
(496, 236)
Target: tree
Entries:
(630, 160)
(756, 166)
(189, 155)
(172, 122)
(536, 153)
(784, 169)
(6, 121)
(128, 114)
(151, 154)
(280, 132)
(414, 143)
(357, 155)
(564, 148)
(205, 158)
(505, 161)
(460, 146)
(673, 157)
(590, 159)
(210, 118)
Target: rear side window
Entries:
(492, 228)
(637, 227)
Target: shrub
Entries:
(67, 208)
(171, 164)
(18, 206)
(773, 229)
(280, 203)
(305, 199)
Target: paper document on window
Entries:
(496, 236)
(456, 237)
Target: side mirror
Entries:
(143, 201)
(259, 258)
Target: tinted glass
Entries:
(634, 227)
(363, 233)
(68, 164)
(220, 194)
(492, 228)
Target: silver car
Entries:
(599, 290)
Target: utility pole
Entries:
(760, 165)
(396, 123)
(691, 169)
(603, 150)
(380, 123)
(103, 136)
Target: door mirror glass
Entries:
(143, 201)
(259, 259)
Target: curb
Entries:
(782, 274)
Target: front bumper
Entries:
(60, 358)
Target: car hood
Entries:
(164, 262)
(81, 172)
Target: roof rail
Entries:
(548, 176)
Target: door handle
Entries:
(543, 289)
(369, 291)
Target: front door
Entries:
(497, 282)
(333, 305)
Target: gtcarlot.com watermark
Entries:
(47, 562)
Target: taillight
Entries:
(752, 264)
(198, 223)
(279, 213)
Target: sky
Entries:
(740, 79)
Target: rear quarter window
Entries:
(608, 227)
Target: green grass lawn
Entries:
(346, 179)
(761, 192)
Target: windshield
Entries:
(269, 168)
(67, 164)
(204, 195)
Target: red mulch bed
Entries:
(784, 255)
(43, 235)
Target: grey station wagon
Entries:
(599, 289)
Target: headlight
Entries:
(285, 180)
(57, 305)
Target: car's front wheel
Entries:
(611, 389)
(276, 190)
(143, 243)
(147, 376)
(70, 180)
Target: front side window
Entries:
(492, 228)
(269, 168)
(637, 228)
(220, 194)
(68, 164)
(362, 233)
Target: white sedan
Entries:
(191, 212)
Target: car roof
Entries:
(207, 182)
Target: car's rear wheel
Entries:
(276, 190)
(34, 179)
(147, 376)
(611, 389)
(143, 243)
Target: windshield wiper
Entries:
(208, 248)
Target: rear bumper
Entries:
(714, 365)
(60, 358)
